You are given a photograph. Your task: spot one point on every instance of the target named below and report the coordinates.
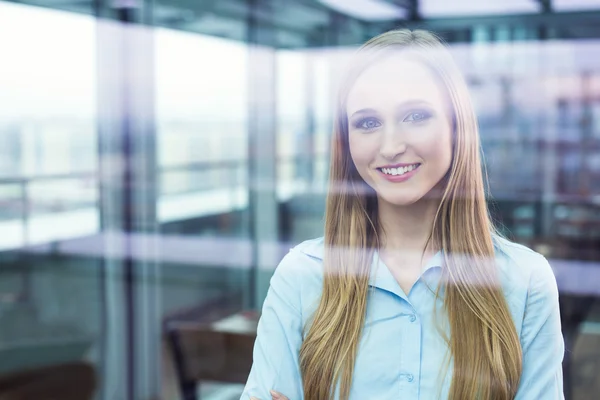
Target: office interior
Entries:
(159, 157)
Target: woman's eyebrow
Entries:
(364, 111)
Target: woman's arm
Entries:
(541, 338)
(279, 336)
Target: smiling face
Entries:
(400, 130)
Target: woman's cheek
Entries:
(431, 138)
(362, 149)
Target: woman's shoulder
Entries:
(313, 248)
(522, 267)
(303, 262)
(300, 275)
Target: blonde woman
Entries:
(410, 294)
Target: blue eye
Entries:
(417, 116)
(368, 124)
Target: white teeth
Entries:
(400, 170)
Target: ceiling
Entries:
(314, 23)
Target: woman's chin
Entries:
(401, 200)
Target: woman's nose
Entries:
(393, 144)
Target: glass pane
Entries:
(12, 216)
(206, 232)
(202, 152)
(11, 200)
(58, 195)
(50, 296)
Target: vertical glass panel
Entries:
(201, 122)
(50, 291)
(12, 215)
(293, 137)
(323, 100)
(202, 152)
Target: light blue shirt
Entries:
(401, 353)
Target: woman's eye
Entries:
(368, 124)
(417, 116)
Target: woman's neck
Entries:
(407, 228)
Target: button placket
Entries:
(412, 355)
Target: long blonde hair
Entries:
(484, 345)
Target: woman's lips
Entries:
(400, 177)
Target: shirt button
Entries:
(413, 318)
(409, 377)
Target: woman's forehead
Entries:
(396, 79)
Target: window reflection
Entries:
(221, 218)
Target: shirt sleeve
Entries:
(279, 336)
(541, 338)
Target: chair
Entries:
(216, 351)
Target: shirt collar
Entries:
(380, 276)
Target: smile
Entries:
(399, 170)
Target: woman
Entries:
(410, 294)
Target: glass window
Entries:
(50, 300)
